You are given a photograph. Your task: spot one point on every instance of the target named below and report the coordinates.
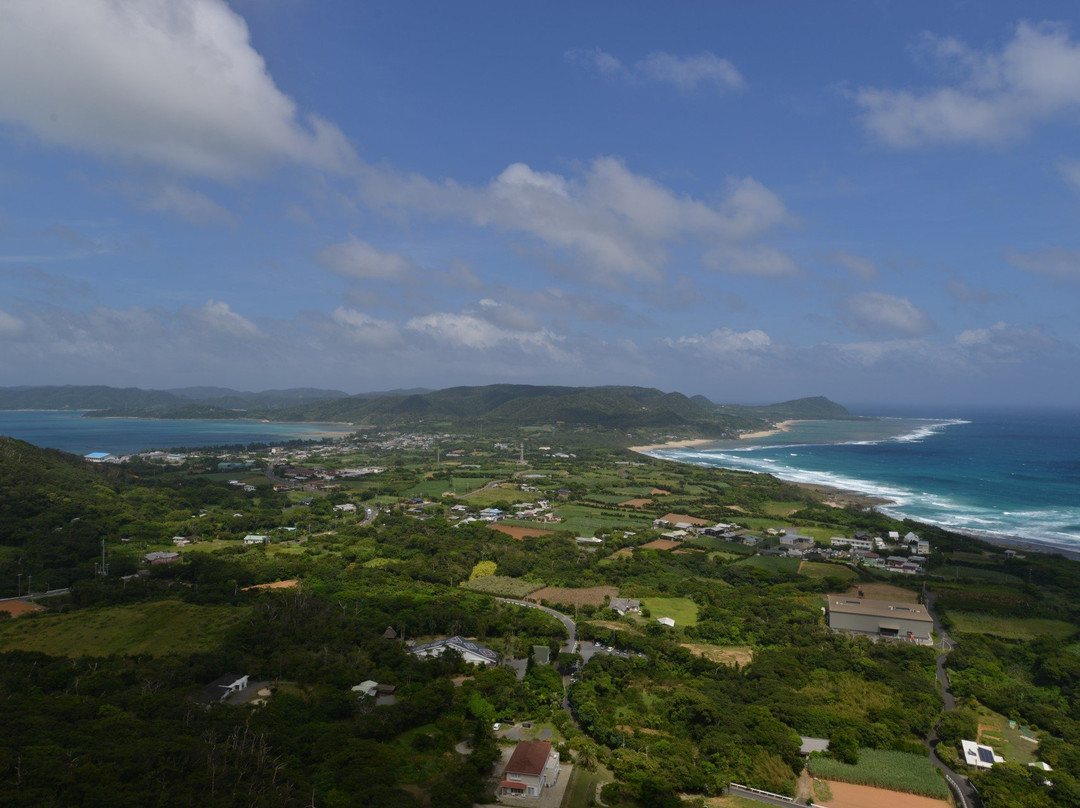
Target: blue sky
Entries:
(877, 202)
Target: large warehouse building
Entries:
(880, 618)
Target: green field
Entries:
(585, 520)
(952, 572)
(773, 563)
(818, 569)
(682, 610)
(1007, 740)
(900, 771)
(156, 628)
(581, 790)
(1011, 628)
(503, 586)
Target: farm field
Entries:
(1008, 741)
(975, 574)
(885, 769)
(17, 608)
(682, 610)
(502, 585)
(520, 533)
(773, 563)
(849, 795)
(874, 590)
(660, 544)
(156, 628)
(818, 569)
(593, 596)
(1011, 628)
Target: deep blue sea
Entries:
(1011, 476)
(69, 431)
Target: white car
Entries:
(496, 727)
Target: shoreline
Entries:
(782, 426)
(674, 444)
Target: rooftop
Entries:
(879, 608)
(529, 758)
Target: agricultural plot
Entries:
(503, 586)
(722, 654)
(1011, 628)
(773, 563)
(882, 768)
(818, 569)
(682, 610)
(957, 573)
(849, 795)
(592, 596)
(585, 520)
(155, 628)
(1014, 743)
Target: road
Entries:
(966, 796)
(566, 620)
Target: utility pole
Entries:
(18, 593)
(104, 569)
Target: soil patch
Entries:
(880, 591)
(17, 608)
(623, 553)
(741, 654)
(639, 730)
(849, 795)
(636, 503)
(520, 533)
(660, 492)
(593, 596)
(276, 585)
(661, 544)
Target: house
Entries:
(101, 457)
(979, 755)
(532, 767)
(181, 541)
(881, 618)
(348, 507)
(224, 686)
(254, 538)
(624, 605)
(161, 557)
(865, 545)
(470, 651)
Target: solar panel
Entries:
(986, 755)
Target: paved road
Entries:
(966, 796)
(566, 620)
(750, 795)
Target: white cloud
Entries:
(614, 223)
(724, 342)
(10, 325)
(453, 331)
(188, 204)
(1052, 262)
(354, 258)
(877, 313)
(862, 268)
(997, 96)
(365, 329)
(685, 72)
(761, 260)
(172, 83)
(217, 315)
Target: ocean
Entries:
(1004, 476)
(71, 432)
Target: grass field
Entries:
(503, 586)
(156, 628)
(682, 610)
(773, 563)
(581, 790)
(1008, 741)
(1011, 628)
(955, 573)
(818, 569)
(585, 520)
(882, 768)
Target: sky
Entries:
(874, 201)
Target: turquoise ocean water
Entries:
(73, 433)
(1004, 475)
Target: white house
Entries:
(533, 767)
(221, 688)
(254, 538)
(979, 755)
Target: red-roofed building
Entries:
(533, 767)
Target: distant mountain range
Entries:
(613, 407)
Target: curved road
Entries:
(566, 620)
(965, 793)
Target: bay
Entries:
(1009, 476)
(70, 431)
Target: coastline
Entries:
(782, 426)
(674, 444)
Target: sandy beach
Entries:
(675, 444)
(783, 426)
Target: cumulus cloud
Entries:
(463, 330)
(1052, 262)
(685, 72)
(218, 316)
(354, 258)
(724, 342)
(880, 314)
(364, 329)
(995, 95)
(862, 268)
(172, 83)
(614, 223)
